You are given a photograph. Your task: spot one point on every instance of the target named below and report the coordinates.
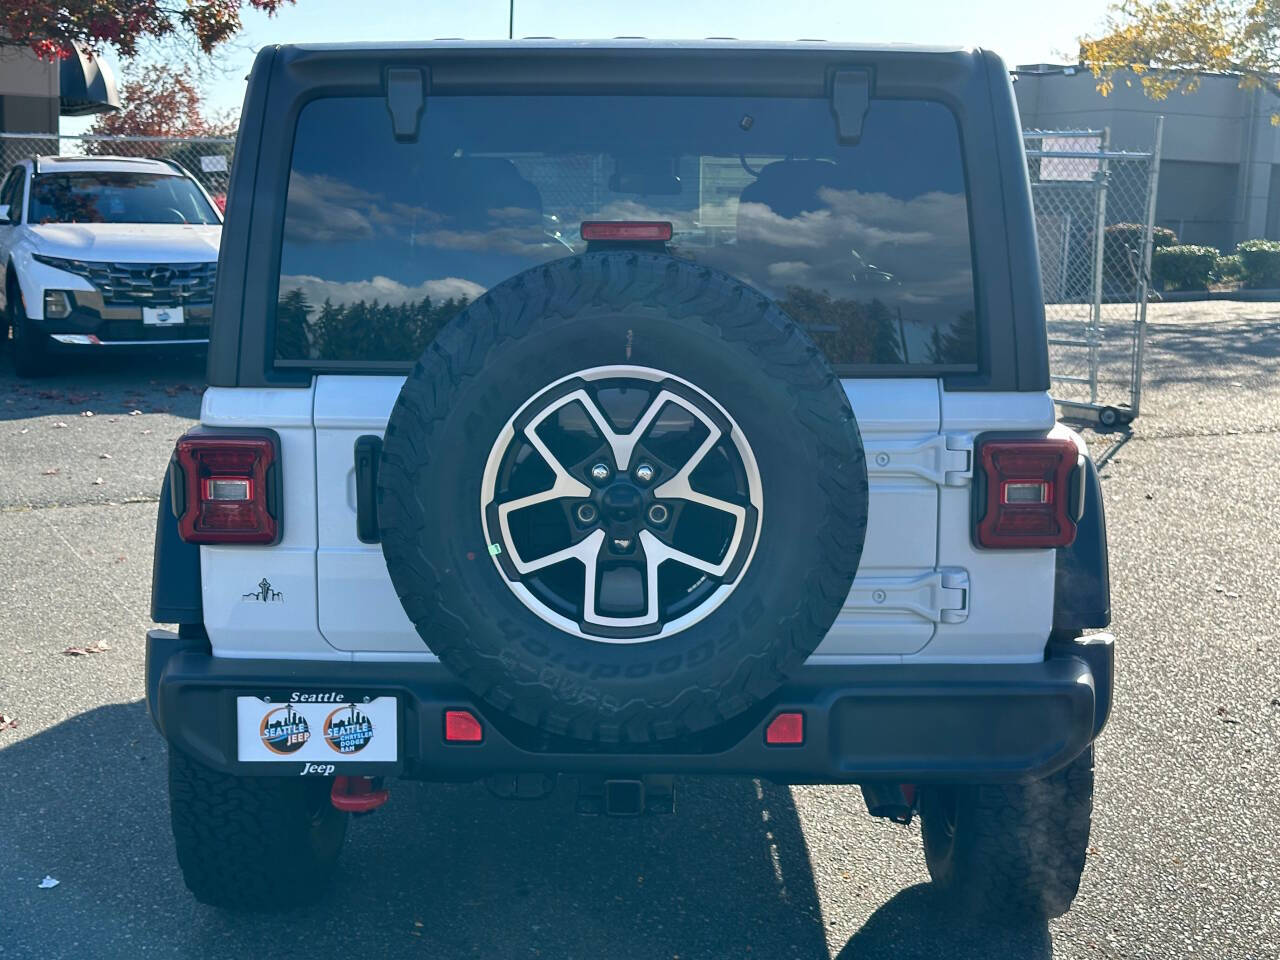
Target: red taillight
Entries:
(785, 730)
(223, 488)
(461, 726)
(626, 230)
(1028, 493)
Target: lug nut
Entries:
(644, 473)
(586, 513)
(600, 473)
(658, 514)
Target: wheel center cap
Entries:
(622, 501)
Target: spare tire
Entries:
(622, 497)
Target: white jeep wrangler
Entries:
(626, 411)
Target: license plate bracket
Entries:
(324, 731)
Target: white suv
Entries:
(105, 252)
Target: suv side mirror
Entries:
(4, 213)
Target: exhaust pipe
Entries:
(892, 801)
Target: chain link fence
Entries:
(1094, 210)
(207, 158)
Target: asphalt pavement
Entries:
(1185, 856)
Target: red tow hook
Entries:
(358, 794)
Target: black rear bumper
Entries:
(906, 724)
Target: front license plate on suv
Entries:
(161, 316)
(269, 730)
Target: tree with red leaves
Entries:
(52, 27)
(161, 101)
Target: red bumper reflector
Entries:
(785, 730)
(626, 230)
(461, 726)
(356, 795)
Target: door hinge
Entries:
(941, 596)
(945, 459)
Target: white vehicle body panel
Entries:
(923, 591)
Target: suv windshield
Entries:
(110, 197)
(866, 244)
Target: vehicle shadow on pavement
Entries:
(917, 924)
(112, 385)
(441, 871)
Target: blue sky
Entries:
(1020, 30)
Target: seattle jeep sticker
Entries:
(284, 731)
(318, 727)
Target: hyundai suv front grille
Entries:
(144, 283)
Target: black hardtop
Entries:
(972, 83)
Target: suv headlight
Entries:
(57, 304)
(61, 263)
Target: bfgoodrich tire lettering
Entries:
(635, 311)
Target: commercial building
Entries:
(1220, 163)
(34, 93)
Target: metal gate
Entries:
(1095, 209)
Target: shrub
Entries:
(1228, 269)
(1184, 266)
(1125, 236)
(1260, 263)
(1122, 253)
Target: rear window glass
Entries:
(109, 197)
(866, 245)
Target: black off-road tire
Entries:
(262, 844)
(1011, 851)
(655, 312)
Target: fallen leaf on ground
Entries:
(48, 883)
(135, 413)
(51, 472)
(8, 723)
(99, 482)
(104, 456)
(86, 413)
(59, 425)
(25, 430)
(99, 647)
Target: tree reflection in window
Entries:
(361, 330)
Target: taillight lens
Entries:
(1028, 497)
(224, 488)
